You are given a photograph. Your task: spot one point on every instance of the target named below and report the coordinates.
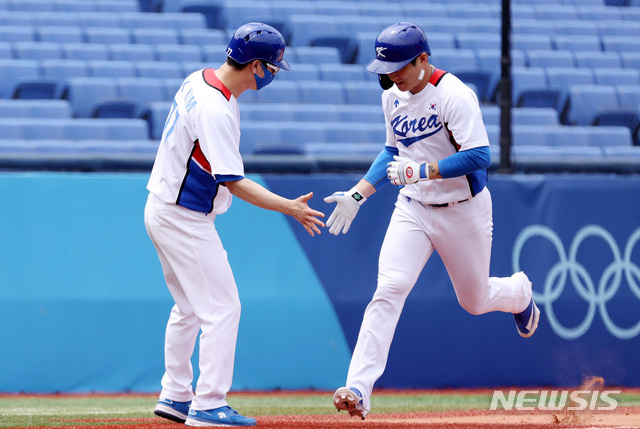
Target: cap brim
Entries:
(386, 67)
(283, 65)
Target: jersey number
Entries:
(176, 114)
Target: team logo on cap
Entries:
(379, 50)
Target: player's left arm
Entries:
(257, 195)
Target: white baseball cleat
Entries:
(350, 400)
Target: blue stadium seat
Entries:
(138, 21)
(616, 76)
(59, 34)
(323, 92)
(541, 97)
(280, 112)
(527, 78)
(360, 113)
(257, 133)
(599, 13)
(286, 8)
(480, 25)
(131, 52)
(622, 155)
(142, 91)
(186, 20)
(117, 108)
(159, 69)
(85, 51)
(12, 71)
(577, 43)
(189, 67)
(621, 43)
(74, 6)
(6, 52)
(36, 89)
(526, 42)
(585, 101)
(621, 117)
(556, 12)
(597, 59)
(612, 135)
(111, 68)
(522, 11)
(482, 80)
(55, 109)
(475, 41)
(619, 28)
(367, 92)
(431, 9)
(366, 47)
(37, 50)
(106, 129)
(630, 59)
(545, 58)
(575, 28)
(305, 28)
(280, 91)
(329, 7)
(84, 93)
(520, 116)
(155, 36)
(533, 26)
(561, 78)
(58, 19)
(347, 45)
(238, 12)
(628, 96)
(202, 36)
(357, 132)
(156, 115)
(171, 87)
(473, 11)
(317, 55)
(212, 13)
(107, 35)
(116, 7)
(33, 6)
(217, 54)
(452, 60)
(301, 72)
(342, 72)
(175, 52)
(99, 19)
(439, 41)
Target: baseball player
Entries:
(197, 170)
(438, 151)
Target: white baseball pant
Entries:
(462, 235)
(198, 275)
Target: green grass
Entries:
(62, 410)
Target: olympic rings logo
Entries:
(596, 297)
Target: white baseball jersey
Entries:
(440, 120)
(200, 143)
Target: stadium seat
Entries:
(15, 34)
(577, 43)
(438, 41)
(622, 117)
(342, 72)
(599, 13)
(85, 51)
(186, 20)
(545, 12)
(541, 97)
(545, 58)
(59, 34)
(616, 76)
(630, 59)
(597, 59)
(360, 113)
(98, 19)
(527, 42)
(606, 136)
(142, 91)
(159, 69)
(305, 28)
(473, 11)
(575, 28)
(561, 78)
(175, 52)
(111, 109)
(107, 35)
(346, 45)
(259, 133)
(338, 8)
(37, 50)
(366, 47)
(212, 13)
(55, 109)
(131, 52)
(526, 79)
(217, 54)
(452, 60)
(36, 89)
(280, 91)
(533, 26)
(475, 41)
(618, 28)
(156, 115)
(154, 36)
(585, 101)
(301, 72)
(12, 71)
(238, 12)
(6, 52)
(481, 79)
(111, 68)
(628, 96)
(621, 44)
(317, 55)
(84, 93)
(200, 36)
(323, 92)
(485, 26)
(366, 92)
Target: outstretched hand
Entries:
(307, 216)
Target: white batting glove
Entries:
(347, 206)
(403, 171)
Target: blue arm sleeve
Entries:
(377, 174)
(465, 162)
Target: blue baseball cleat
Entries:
(350, 400)
(172, 410)
(527, 321)
(223, 416)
